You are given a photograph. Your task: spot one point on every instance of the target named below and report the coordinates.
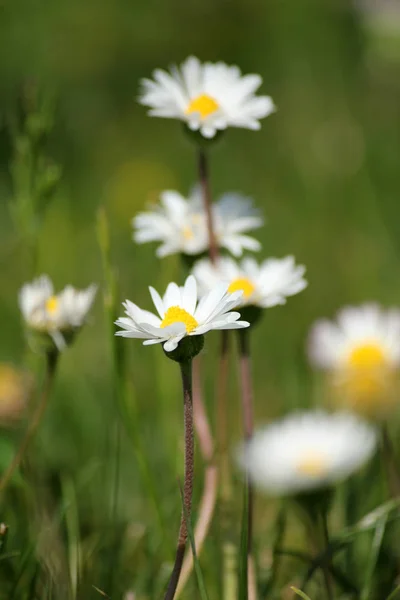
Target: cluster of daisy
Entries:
(360, 352)
(306, 450)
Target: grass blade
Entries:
(300, 593)
(373, 557)
(244, 544)
(395, 594)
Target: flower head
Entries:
(207, 97)
(180, 224)
(362, 351)
(306, 451)
(262, 285)
(180, 315)
(57, 315)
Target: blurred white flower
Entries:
(264, 285)
(180, 315)
(305, 451)
(362, 349)
(180, 224)
(208, 97)
(55, 314)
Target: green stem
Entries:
(229, 550)
(124, 391)
(35, 420)
(209, 495)
(246, 388)
(186, 373)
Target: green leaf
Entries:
(373, 557)
(394, 594)
(300, 593)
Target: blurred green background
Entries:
(324, 170)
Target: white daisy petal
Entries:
(265, 286)
(55, 314)
(158, 303)
(206, 96)
(180, 224)
(305, 451)
(361, 353)
(180, 315)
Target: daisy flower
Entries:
(180, 224)
(306, 451)
(362, 350)
(55, 314)
(264, 285)
(207, 97)
(180, 315)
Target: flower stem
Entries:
(205, 186)
(248, 425)
(186, 373)
(51, 365)
(229, 550)
(208, 499)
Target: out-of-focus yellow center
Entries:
(13, 389)
(204, 105)
(311, 464)
(52, 304)
(367, 381)
(187, 233)
(176, 314)
(367, 356)
(10, 381)
(243, 284)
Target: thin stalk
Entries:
(122, 384)
(326, 566)
(208, 499)
(51, 365)
(389, 460)
(246, 389)
(229, 548)
(186, 373)
(205, 186)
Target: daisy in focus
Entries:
(180, 315)
(307, 451)
(207, 97)
(180, 224)
(264, 285)
(361, 350)
(57, 315)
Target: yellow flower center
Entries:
(176, 314)
(243, 284)
(367, 356)
(52, 305)
(187, 233)
(367, 381)
(204, 105)
(312, 464)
